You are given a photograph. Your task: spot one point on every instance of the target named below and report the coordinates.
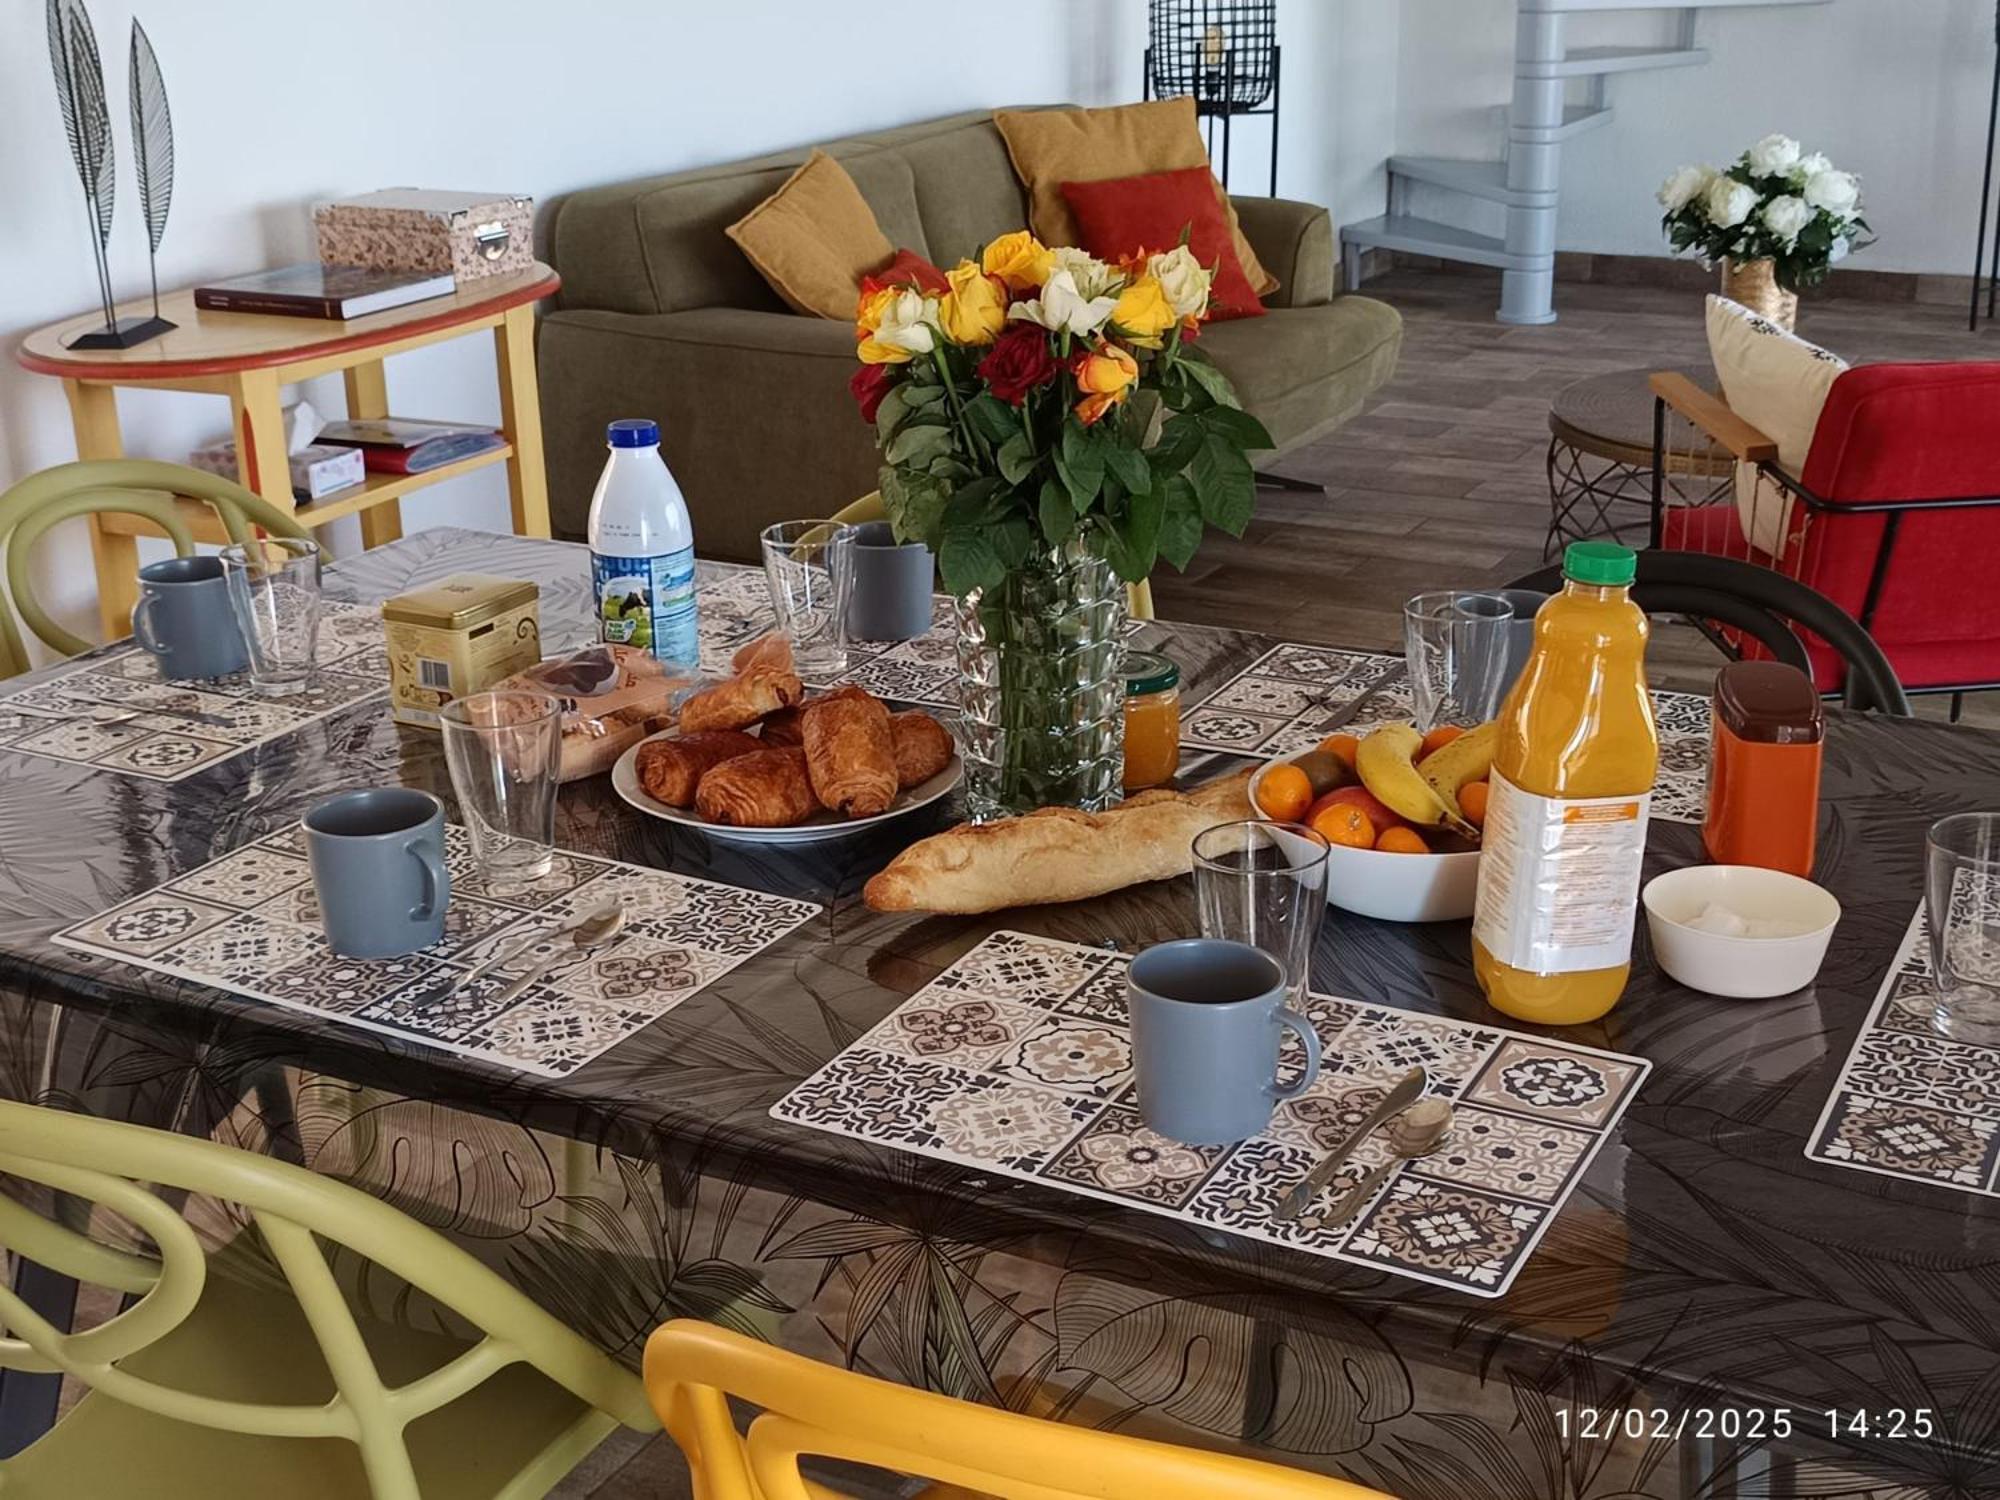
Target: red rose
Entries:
(869, 385)
(1019, 361)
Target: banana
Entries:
(1467, 758)
(1387, 765)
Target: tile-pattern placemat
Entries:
(1018, 1059)
(116, 713)
(1910, 1103)
(1279, 704)
(249, 923)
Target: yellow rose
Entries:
(875, 352)
(1019, 259)
(1143, 313)
(1106, 375)
(975, 309)
(874, 301)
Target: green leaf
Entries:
(1242, 429)
(1129, 466)
(1179, 439)
(967, 561)
(992, 418)
(925, 395)
(890, 414)
(1012, 540)
(978, 502)
(1058, 515)
(914, 503)
(1212, 381)
(1180, 522)
(1080, 462)
(1132, 538)
(918, 445)
(1017, 457)
(1223, 484)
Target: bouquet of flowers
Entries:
(1036, 397)
(1774, 202)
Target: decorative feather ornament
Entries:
(86, 121)
(152, 148)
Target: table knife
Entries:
(1347, 711)
(1409, 1088)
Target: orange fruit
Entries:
(1361, 797)
(1285, 793)
(1402, 841)
(1346, 746)
(1438, 738)
(1472, 802)
(1346, 825)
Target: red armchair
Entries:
(1895, 516)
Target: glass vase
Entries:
(1041, 686)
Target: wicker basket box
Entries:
(425, 229)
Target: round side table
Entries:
(1601, 459)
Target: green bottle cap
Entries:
(1605, 564)
(1149, 672)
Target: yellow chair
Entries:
(139, 487)
(1138, 596)
(810, 1408)
(256, 1382)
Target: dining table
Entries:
(1710, 1313)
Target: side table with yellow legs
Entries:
(249, 358)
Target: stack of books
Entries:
(407, 445)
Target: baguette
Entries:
(1057, 853)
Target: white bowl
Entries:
(1739, 968)
(1397, 887)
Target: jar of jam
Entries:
(1152, 719)
(1763, 767)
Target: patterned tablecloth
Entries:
(1280, 704)
(1018, 1058)
(1910, 1103)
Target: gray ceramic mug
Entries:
(183, 619)
(1208, 1016)
(378, 869)
(891, 600)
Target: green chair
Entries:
(130, 486)
(224, 1377)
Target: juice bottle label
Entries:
(1559, 879)
(648, 602)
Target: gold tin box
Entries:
(459, 636)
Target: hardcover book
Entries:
(313, 290)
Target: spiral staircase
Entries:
(1527, 183)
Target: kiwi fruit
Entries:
(1326, 771)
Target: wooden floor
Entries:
(1441, 483)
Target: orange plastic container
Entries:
(1767, 735)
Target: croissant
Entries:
(851, 754)
(768, 653)
(671, 769)
(923, 747)
(785, 727)
(740, 701)
(764, 789)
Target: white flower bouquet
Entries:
(1774, 202)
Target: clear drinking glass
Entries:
(1455, 644)
(1962, 910)
(1264, 884)
(274, 594)
(505, 750)
(810, 568)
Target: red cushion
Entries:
(907, 268)
(1120, 217)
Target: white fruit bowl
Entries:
(1739, 967)
(1397, 887)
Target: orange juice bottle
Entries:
(1566, 825)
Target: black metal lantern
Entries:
(1222, 52)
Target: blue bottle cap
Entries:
(633, 432)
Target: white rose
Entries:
(1811, 166)
(1836, 192)
(1786, 216)
(1062, 308)
(1183, 279)
(1838, 250)
(1728, 202)
(908, 321)
(1092, 276)
(1774, 156)
(1687, 183)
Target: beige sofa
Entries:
(661, 316)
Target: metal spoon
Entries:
(1417, 1131)
(593, 932)
(1408, 1089)
(521, 945)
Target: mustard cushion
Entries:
(814, 239)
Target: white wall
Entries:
(1895, 90)
(501, 94)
